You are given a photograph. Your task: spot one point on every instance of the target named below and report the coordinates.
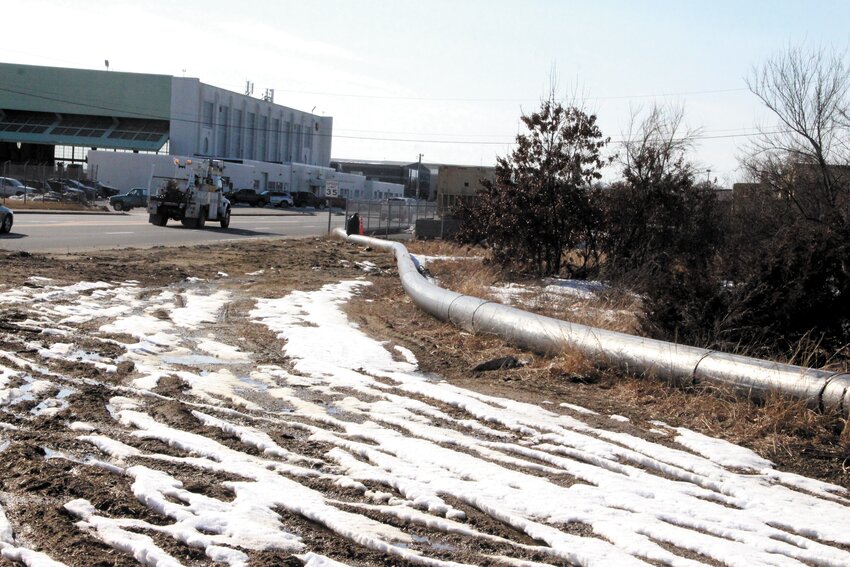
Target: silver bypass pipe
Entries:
(820, 389)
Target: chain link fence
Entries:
(45, 179)
(421, 219)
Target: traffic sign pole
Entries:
(331, 190)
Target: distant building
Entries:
(58, 114)
(456, 183)
(400, 172)
(126, 128)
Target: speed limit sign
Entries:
(332, 189)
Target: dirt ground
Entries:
(33, 486)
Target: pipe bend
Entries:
(824, 390)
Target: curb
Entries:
(233, 212)
(58, 212)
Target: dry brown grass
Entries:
(795, 437)
(611, 309)
(442, 248)
(777, 428)
(49, 206)
(469, 277)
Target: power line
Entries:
(512, 100)
(465, 99)
(340, 136)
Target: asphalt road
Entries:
(36, 232)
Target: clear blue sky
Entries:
(447, 79)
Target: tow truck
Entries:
(193, 196)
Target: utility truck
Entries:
(193, 195)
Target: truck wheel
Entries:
(119, 206)
(158, 220)
(225, 220)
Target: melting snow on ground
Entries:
(424, 260)
(402, 453)
(549, 291)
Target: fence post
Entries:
(26, 181)
(442, 219)
(3, 183)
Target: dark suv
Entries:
(249, 197)
(307, 199)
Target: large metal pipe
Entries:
(820, 389)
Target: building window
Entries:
(237, 134)
(224, 114)
(208, 114)
(251, 127)
(287, 144)
(308, 139)
(275, 140)
(263, 132)
(299, 144)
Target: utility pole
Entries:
(418, 172)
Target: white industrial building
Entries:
(122, 126)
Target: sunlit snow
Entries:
(395, 450)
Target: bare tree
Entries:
(656, 143)
(648, 212)
(788, 256)
(663, 229)
(806, 158)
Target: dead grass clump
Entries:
(442, 248)
(776, 427)
(573, 366)
(609, 309)
(466, 277)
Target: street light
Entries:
(418, 173)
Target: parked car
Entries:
(52, 196)
(278, 198)
(91, 192)
(105, 191)
(135, 197)
(249, 197)
(7, 217)
(10, 187)
(68, 191)
(308, 199)
(398, 208)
